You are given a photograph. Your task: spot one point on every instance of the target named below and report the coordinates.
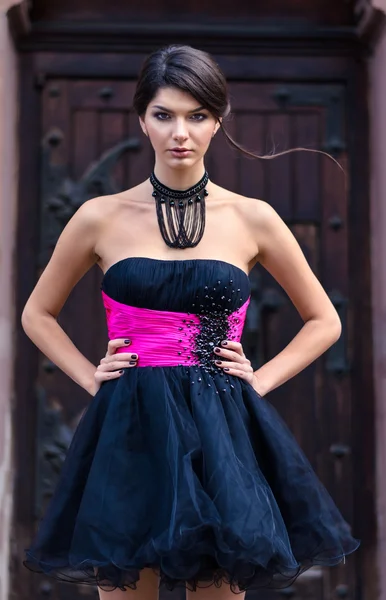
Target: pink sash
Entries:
(162, 338)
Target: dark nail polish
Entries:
(134, 356)
(127, 341)
(121, 371)
(224, 343)
(226, 368)
(132, 362)
(217, 350)
(218, 362)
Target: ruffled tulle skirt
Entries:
(200, 482)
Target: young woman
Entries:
(180, 471)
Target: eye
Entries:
(199, 117)
(161, 116)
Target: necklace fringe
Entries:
(181, 214)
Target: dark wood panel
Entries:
(26, 355)
(308, 403)
(363, 422)
(101, 94)
(279, 190)
(57, 112)
(295, 400)
(251, 133)
(336, 386)
(307, 133)
(217, 37)
(263, 67)
(220, 160)
(326, 12)
(139, 164)
(112, 129)
(85, 137)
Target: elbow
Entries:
(26, 319)
(334, 327)
(329, 328)
(32, 318)
(29, 319)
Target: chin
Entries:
(183, 163)
(180, 165)
(176, 163)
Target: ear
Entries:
(143, 126)
(217, 126)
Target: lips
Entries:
(180, 152)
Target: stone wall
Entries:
(377, 99)
(8, 204)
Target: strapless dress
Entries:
(177, 466)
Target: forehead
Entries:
(174, 99)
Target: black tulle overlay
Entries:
(201, 482)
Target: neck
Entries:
(179, 179)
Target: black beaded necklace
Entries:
(184, 211)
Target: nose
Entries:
(180, 131)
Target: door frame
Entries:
(38, 66)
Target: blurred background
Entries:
(308, 73)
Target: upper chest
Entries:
(133, 230)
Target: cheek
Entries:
(156, 134)
(208, 137)
(204, 135)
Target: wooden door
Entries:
(91, 145)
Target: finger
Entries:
(236, 346)
(237, 372)
(100, 376)
(234, 365)
(116, 366)
(125, 356)
(230, 355)
(117, 343)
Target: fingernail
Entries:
(226, 368)
(218, 362)
(217, 349)
(132, 362)
(224, 343)
(121, 371)
(127, 341)
(134, 356)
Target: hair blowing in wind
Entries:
(197, 73)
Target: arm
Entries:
(73, 256)
(281, 256)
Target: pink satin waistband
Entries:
(162, 338)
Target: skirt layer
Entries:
(194, 476)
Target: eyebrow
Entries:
(170, 111)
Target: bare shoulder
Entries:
(79, 239)
(96, 214)
(93, 212)
(74, 254)
(264, 222)
(258, 216)
(281, 255)
(256, 211)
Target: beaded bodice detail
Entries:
(175, 312)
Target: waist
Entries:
(163, 338)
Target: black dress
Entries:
(183, 468)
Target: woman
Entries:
(180, 470)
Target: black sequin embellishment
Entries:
(214, 328)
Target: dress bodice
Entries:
(177, 285)
(175, 311)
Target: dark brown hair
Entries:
(196, 72)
